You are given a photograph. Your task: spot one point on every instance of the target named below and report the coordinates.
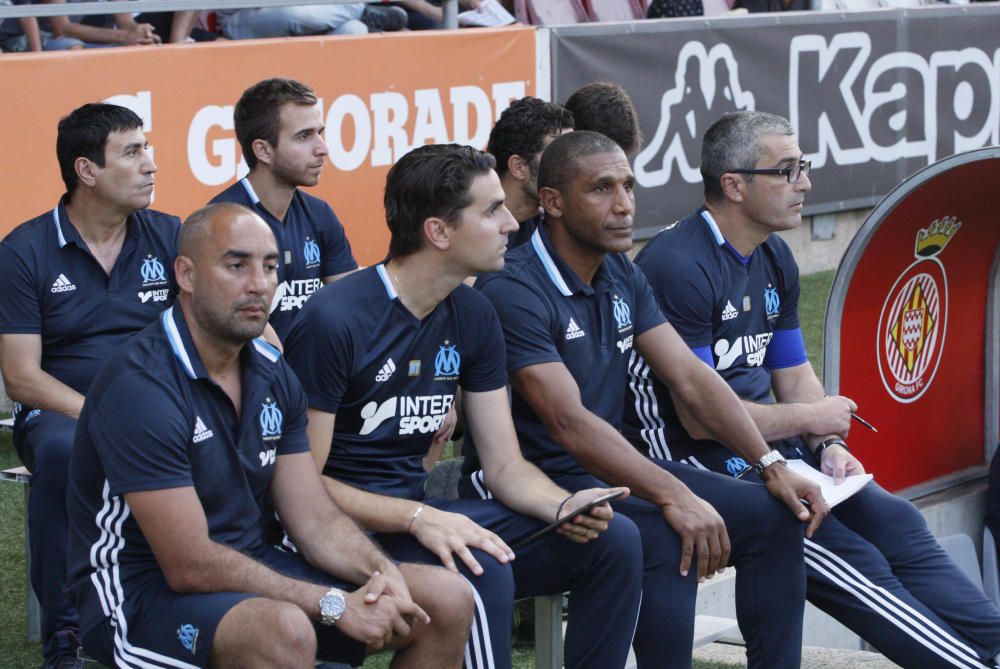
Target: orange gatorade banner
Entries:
(381, 96)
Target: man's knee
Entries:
(266, 633)
(449, 599)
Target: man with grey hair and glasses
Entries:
(730, 287)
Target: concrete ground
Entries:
(813, 657)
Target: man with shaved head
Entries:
(573, 307)
(191, 440)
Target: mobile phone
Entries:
(597, 501)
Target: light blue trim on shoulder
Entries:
(176, 343)
(549, 264)
(386, 281)
(714, 227)
(266, 349)
(245, 182)
(59, 232)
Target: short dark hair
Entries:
(83, 133)
(257, 112)
(733, 143)
(522, 128)
(561, 160)
(430, 181)
(605, 107)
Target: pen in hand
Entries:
(863, 422)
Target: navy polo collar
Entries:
(179, 336)
(562, 275)
(66, 232)
(720, 238)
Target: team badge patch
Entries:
(188, 636)
(914, 318)
(736, 466)
(310, 252)
(447, 362)
(271, 420)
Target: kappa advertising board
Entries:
(912, 335)
(874, 96)
(380, 98)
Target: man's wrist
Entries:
(769, 460)
(827, 443)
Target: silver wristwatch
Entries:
(771, 458)
(331, 606)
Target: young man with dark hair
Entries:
(170, 565)
(605, 107)
(78, 281)
(280, 128)
(517, 140)
(573, 307)
(731, 287)
(381, 355)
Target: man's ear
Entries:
(438, 232)
(519, 168)
(263, 150)
(184, 273)
(733, 187)
(551, 201)
(86, 171)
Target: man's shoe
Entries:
(62, 651)
(384, 19)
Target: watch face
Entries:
(332, 605)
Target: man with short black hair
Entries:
(573, 307)
(517, 140)
(170, 563)
(605, 107)
(280, 129)
(730, 286)
(381, 355)
(78, 281)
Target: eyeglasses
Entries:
(792, 172)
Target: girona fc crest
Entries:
(914, 317)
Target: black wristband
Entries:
(827, 443)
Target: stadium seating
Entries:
(550, 12)
(615, 10)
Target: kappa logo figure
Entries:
(697, 94)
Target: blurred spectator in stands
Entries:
(177, 27)
(57, 33)
(350, 19)
(665, 9)
(29, 29)
(993, 500)
(605, 107)
(428, 15)
(754, 6)
(517, 141)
